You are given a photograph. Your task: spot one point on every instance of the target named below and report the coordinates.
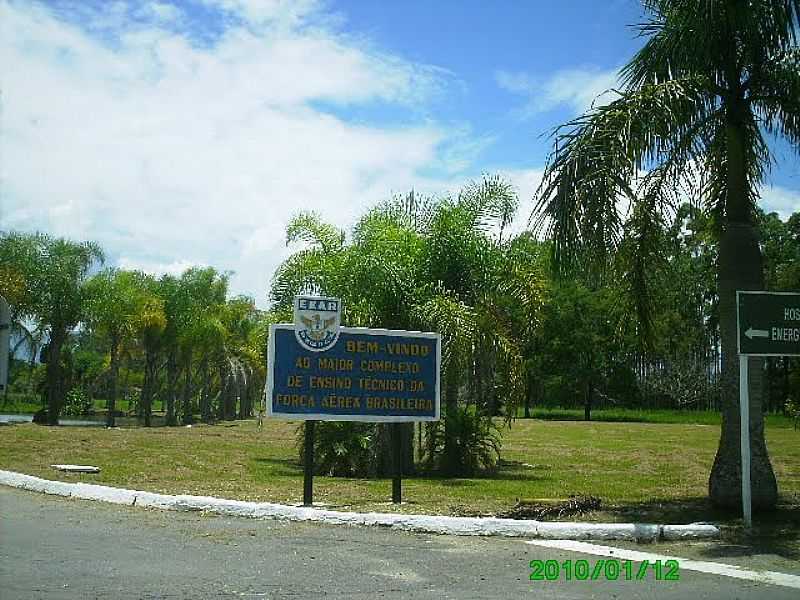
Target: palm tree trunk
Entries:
(238, 386)
(223, 391)
(245, 401)
(785, 394)
(489, 381)
(587, 407)
(739, 269)
(528, 393)
(57, 337)
(114, 372)
(172, 387)
(147, 386)
(205, 398)
(230, 398)
(451, 461)
(187, 418)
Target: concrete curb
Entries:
(641, 532)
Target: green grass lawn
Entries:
(630, 466)
(647, 472)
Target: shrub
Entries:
(683, 383)
(76, 403)
(341, 448)
(793, 411)
(475, 437)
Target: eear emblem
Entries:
(316, 322)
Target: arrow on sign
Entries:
(751, 333)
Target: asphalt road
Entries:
(54, 547)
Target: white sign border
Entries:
(269, 387)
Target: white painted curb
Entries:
(419, 523)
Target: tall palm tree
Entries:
(151, 325)
(200, 328)
(44, 280)
(714, 78)
(117, 306)
(236, 359)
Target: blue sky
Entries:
(180, 133)
(475, 41)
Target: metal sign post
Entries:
(397, 458)
(308, 465)
(744, 413)
(768, 324)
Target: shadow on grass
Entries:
(652, 417)
(775, 532)
(283, 467)
(559, 415)
(508, 471)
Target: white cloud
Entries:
(154, 268)
(781, 200)
(163, 12)
(262, 12)
(172, 154)
(525, 182)
(579, 89)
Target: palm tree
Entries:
(44, 281)
(5, 325)
(199, 327)
(151, 325)
(239, 357)
(118, 306)
(712, 80)
(433, 264)
(171, 291)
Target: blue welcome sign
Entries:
(366, 375)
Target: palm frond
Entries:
(309, 227)
(775, 96)
(491, 201)
(717, 38)
(454, 320)
(639, 263)
(599, 157)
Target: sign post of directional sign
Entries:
(768, 324)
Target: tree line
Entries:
(180, 339)
(616, 300)
(516, 335)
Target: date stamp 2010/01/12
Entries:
(609, 569)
